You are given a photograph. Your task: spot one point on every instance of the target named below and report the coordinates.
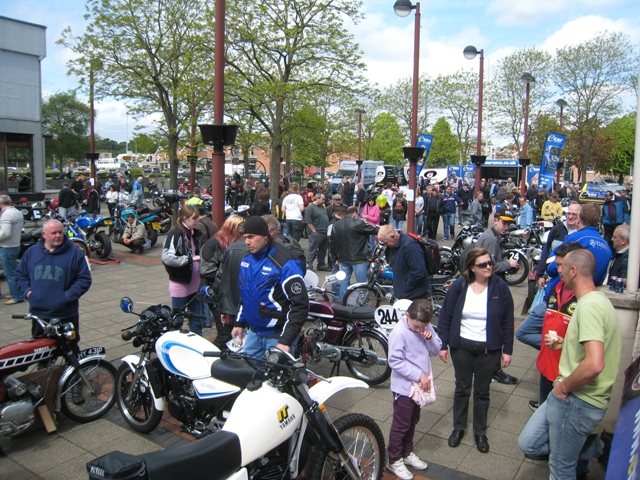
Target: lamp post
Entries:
(470, 53)
(360, 112)
(561, 103)
(529, 80)
(403, 9)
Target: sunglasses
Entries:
(490, 263)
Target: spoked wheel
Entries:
(116, 235)
(370, 372)
(362, 297)
(85, 403)
(103, 245)
(137, 409)
(517, 275)
(363, 442)
(437, 299)
(448, 262)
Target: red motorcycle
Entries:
(85, 388)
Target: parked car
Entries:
(592, 193)
(150, 170)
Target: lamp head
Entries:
(360, 111)
(470, 52)
(528, 78)
(561, 103)
(403, 7)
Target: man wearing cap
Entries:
(490, 239)
(551, 208)
(274, 300)
(336, 203)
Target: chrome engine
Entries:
(18, 413)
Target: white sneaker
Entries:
(413, 461)
(400, 470)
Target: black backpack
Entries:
(431, 251)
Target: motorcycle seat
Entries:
(234, 371)
(353, 313)
(155, 211)
(27, 236)
(439, 279)
(144, 216)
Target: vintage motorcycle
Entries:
(151, 223)
(90, 230)
(177, 377)
(85, 388)
(276, 427)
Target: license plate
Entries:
(90, 352)
(36, 214)
(108, 222)
(156, 225)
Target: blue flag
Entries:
(424, 140)
(551, 158)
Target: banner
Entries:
(551, 158)
(424, 140)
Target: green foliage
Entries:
(108, 145)
(397, 100)
(67, 119)
(541, 124)
(385, 140)
(444, 149)
(621, 134)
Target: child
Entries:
(411, 343)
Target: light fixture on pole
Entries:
(529, 80)
(360, 112)
(403, 9)
(561, 103)
(470, 53)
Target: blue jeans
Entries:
(9, 259)
(559, 428)
(196, 306)
(449, 225)
(419, 224)
(530, 330)
(335, 288)
(397, 224)
(258, 346)
(360, 270)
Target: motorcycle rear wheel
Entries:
(78, 402)
(153, 235)
(103, 248)
(166, 227)
(448, 262)
(371, 374)
(362, 297)
(517, 275)
(363, 441)
(138, 411)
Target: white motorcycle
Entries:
(276, 426)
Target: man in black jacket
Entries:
(620, 240)
(432, 208)
(66, 200)
(350, 243)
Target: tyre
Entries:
(370, 373)
(448, 262)
(362, 297)
(138, 410)
(437, 299)
(103, 245)
(153, 235)
(81, 245)
(517, 275)
(532, 289)
(116, 235)
(166, 227)
(364, 443)
(78, 402)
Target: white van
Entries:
(349, 168)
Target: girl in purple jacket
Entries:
(411, 343)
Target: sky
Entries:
(500, 27)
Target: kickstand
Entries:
(335, 368)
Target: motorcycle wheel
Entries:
(153, 235)
(532, 289)
(448, 262)
(371, 374)
(82, 246)
(138, 411)
(362, 440)
(437, 299)
(77, 401)
(103, 246)
(362, 297)
(516, 276)
(166, 227)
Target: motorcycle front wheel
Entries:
(78, 402)
(448, 262)
(103, 246)
(362, 297)
(362, 440)
(81, 245)
(517, 275)
(138, 410)
(370, 373)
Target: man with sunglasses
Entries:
(490, 239)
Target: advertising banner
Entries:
(550, 158)
(424, 140)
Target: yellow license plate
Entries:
(156, 226)
(108, 222)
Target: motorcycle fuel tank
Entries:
(25, 353)
(263, 419)
(181, 353)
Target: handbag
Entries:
(422, 397)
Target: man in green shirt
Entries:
(588, 367)
(317, 220)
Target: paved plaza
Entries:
(63, 454)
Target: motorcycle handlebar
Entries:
(23, 316)
(215, 354)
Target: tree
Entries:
(397, 100)
(621, 134)
(506, 92)
(444, 149)
(384, 140)
(592, 77)
(67, 119)
(149, 53)
(111, 146)
(281, 52)
(457, 95)
(541, 125)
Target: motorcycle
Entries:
(178, 377)
(85, 388)
(31, 238)
(276, 427)
(164, 209)
(151, 224)
(89, 229)
(32, 212)
(450, 257)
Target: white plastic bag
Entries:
(423, 397)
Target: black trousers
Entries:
(432, 225)
(473, 366)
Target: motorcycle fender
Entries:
(353, 286)
(67, 372)
(241, 474)
(132, 361)
(322, 391)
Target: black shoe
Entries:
(324, 268)
(537, 458)
(310, 267)
(455, 438)
(534, 404)
(607, 440)
(482, 443)
(502, 377)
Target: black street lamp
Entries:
(529, 80)
(470, 53)
(403, 9)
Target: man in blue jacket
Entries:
(273, 294)
(614, 213)
(407, 260)
(450, 202)
(52, 276)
